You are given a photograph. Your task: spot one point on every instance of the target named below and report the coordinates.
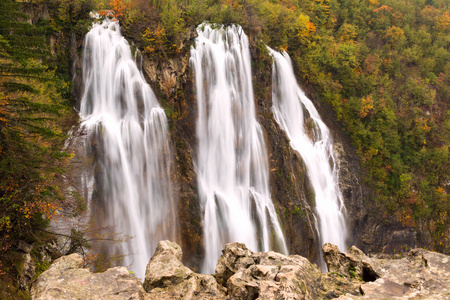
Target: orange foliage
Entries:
(155, 39)
(383, 8)
(406, 217)
(234, 4)
(443, 22)
(422, 123)
(366, 106)
(118, 8)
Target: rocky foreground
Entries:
(242, 274)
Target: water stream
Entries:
(128, 140)
(232, 166)
(311, 138)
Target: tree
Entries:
(31, 109)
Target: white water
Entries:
(295, 113)
(128, 130)
(232, 166)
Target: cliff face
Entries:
(172, 80)
(292, 194)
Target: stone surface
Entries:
(243, 274)
(66, 279)
(167, 278)
(24, 247)
(27, 271)
(352, 264)
(276, 277)
(421, 274)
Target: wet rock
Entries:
(66, 279)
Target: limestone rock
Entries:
(268, 275)
(66, 279)
(243, 274)
(353, 264)
(234, 257)
(165, 267)
(421, 275)
(27, 271)
(167, 278)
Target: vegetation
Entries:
(35, 114)
(382, 65)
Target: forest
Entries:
(381, 66)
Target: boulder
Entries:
(352, 264)
(266, 275)
(167, 278)
(67, 279)
(243, 274)
(421, 274)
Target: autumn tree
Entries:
(31, 111)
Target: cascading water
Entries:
(127, 132)
(232, 166)
(310, 137)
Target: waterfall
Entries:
(310, 137)
(127, 135)
(232, 166)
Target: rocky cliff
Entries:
(243, 274)
(292, 194)
(172, 81)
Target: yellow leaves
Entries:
(3, 109)
(368, 154)
(155, 39)
(5, 223)
(347, 32)
(405, 216)
(305, 28)
(366, 106)
(443, 22)
(422, 123)
(395, 35)
(49, 209)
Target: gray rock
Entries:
(27, 271)
(25, 247)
